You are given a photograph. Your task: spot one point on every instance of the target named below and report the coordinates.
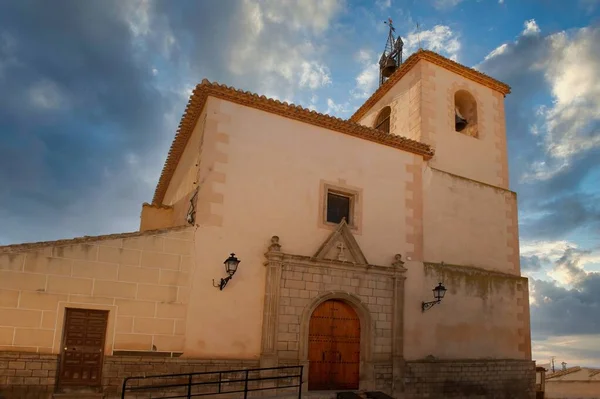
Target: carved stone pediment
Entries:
(341, 246)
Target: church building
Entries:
(380, 252)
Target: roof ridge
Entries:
(292, 111)
(560, 373)
(437, 59)
(12, 248)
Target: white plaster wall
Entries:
(466, 223)
(481, 316)
(273, 167)
(479, 158)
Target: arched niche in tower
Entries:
(465, 118)
(383, 119)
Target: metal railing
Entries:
(189, 385)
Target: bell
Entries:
(388, 67)
(459, 122)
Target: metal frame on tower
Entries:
(392, 54)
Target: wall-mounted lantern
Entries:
(231, 265)
(438, 294)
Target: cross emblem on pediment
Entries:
(341, 256)
(341, 246)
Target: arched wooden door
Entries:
(333, 347)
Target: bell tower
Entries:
(391, 58)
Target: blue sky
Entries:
(93, 91)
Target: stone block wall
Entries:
(33, 375)
(27, 375)
(481, 379)
(383, 377)
(142, 279)
(301, 284)
(117, 368)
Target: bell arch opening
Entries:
(383, 119)
(465, 113)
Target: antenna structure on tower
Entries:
(392, 54)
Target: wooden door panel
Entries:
(346, 343)
(319, 347)
(83, 347)
(334, 347)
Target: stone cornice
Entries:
(31, 246)
(205, 89)
(346, 266)
(438, 60)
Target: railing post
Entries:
(220, 381)
(300, 383)
(246, 386)
(123, 388)
(189, 393)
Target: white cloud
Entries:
(137, 14)
(500, 1)
(367, 79)
(575, 350)
(567, 64)
(277, 50)
(314, 75)
(446, 4)
(571, 125)
(47, 95)
(497, 51)
(531, 28)
(337, 109)
(440, 39)
(301, 14)
(384, 4)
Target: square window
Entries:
(338, 207)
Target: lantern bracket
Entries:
(231, 265)
(428, 305)
(222, 283)
(438, 294)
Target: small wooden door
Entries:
(82, 348)
(333, 347)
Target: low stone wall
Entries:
(383, 377)
(33, 375)
(117, 368)
(27, 375)
(481, 379)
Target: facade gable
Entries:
(341, 246)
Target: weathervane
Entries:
(392, 54)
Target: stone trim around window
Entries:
(356, 200)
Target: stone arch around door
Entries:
(366, 373)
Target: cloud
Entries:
(69, 114)
(575, 350)
(276, 47)
(368, 77)
(383, 4)
(531, 28)
(553, 145)
(441, 39)
(446, 4)
(531, 263)
(314, 75)
(338, 110)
